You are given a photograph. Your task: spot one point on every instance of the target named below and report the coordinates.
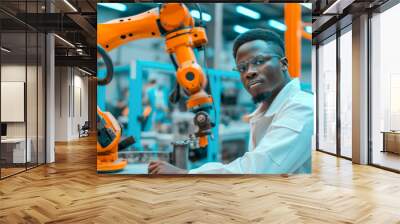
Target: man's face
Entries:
(262, 70)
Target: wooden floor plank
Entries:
(70, 191)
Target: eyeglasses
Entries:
(255, 61)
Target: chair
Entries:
(84, 129)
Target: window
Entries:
(327, 96)
(22, 74)
(346, 93)
(385, 89)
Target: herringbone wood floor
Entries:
(70, 191)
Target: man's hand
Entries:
(162, 167)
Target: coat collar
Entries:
(290, 89)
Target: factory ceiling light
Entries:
(240, 29)
(308, 29)
(248, 12)
(116, 6)
(70, 5)
(5, 49)
(277, 25)
(307, 5)
(65, 41)
(196, 14)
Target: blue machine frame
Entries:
(135, 100)
(101, 90)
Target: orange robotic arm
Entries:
(173, 22)
(109, 134)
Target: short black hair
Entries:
(257, 34)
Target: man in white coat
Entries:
(281, 126)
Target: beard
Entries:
(262, 97)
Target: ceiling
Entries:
(330, 15)
(78, 28)
(22, 20)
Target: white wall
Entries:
(70, 83)
(61, 103)
(81, 85)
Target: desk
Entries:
(13, 150)
(134, 168)
(391, 141)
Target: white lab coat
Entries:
(280, 138)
